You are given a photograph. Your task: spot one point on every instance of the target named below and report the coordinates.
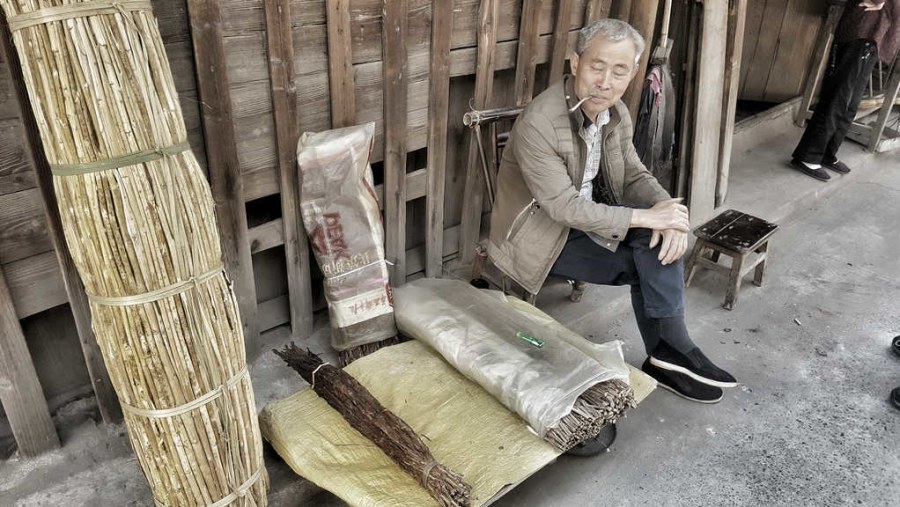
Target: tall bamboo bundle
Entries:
(139, 220)
(369, 417)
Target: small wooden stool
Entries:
(737, 235)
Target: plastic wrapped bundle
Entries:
(564, 386)
(341, 216)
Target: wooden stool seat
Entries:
(740, 236)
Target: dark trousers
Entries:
(842, 89)
(657, 291)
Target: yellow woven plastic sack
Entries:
(465, 428)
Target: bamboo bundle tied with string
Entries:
(139, 220)
(390, 433)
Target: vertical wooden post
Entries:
(643, 19)
(737, 17)
(108, 402)
(689, 95)
(20, 390)
(596, 9)
(560, 40)
(221, 154)
(438, 111)
(340, 63)
(526, 56)
(393, 42)
(707, 135)
(470, 228)
(284, 107)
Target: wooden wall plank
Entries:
(753, 27)
(340, 64)
(224, 171)
(526, 54)
(16, 173)
(50, 279)
(23, 227)
(284, 105)
(795, 48)
(395, 142)
(596, 9)
(708, 119)
(737, 18)
(20, 390)
(560, 41)
(438, 111)
(36, 284)
(484, 83)
(760, 64)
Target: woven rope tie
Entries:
(427, 470)
(191, 405)
(240, 492)
(313, 383)
(138, 157)
(155, 295)
(76, 10)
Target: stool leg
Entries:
(691, 263)
(734, 282)
(578, 287)
(761, 267)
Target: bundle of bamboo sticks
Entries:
(390, 433)
(139, 219)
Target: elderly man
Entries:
(574, 200)
(867, 31)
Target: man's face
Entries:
(603, 72)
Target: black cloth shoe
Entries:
(693, 364)
(895, 398)
(838, 167)
(682, 385)
(596, 445)
(895, 345)
(819, 174)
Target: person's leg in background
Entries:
(841, 83)
(862, 59)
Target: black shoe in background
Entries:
(693, 364)
(838, 167)
(682, 385)
(895, 345)
(819, 174)
(895, 398)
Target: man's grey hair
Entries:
(614, 30)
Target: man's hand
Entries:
(668, 214)
(674, 244)
(871, 5)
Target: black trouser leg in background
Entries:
(842, 90)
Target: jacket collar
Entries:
(571, 99)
